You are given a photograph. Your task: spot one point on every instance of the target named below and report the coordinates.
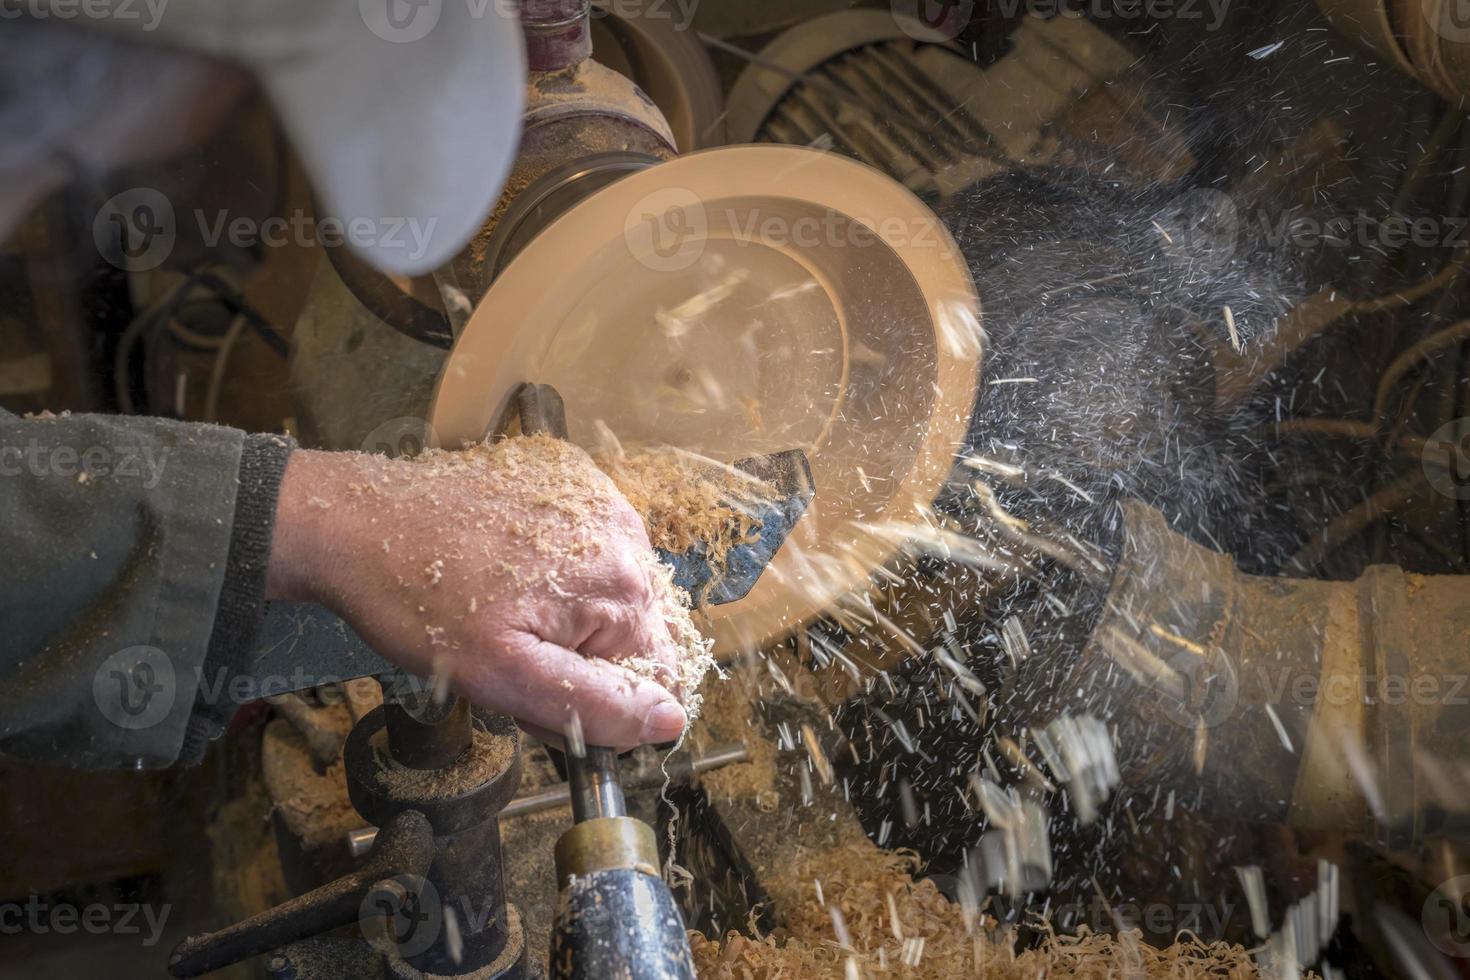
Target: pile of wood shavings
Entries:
(686, 499)
(856, 911)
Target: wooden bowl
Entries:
(744, 300)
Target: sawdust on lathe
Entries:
(729, 716)
(855, 910)
(685, 499)
(307, 798)
(491, 754)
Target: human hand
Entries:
(516, 570)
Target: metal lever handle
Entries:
(404, 848)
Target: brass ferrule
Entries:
(603, 844)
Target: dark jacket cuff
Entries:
(242, 597)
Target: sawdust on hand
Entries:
(555, 502)
(556, 489)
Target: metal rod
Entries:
(360, 841)
(408, 850)
(427, 734)
(595, 786)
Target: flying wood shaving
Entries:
(959, 329)
(1234, 334)
(677, 322)
(927, 539)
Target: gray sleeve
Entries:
(133, 555)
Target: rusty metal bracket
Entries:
(403, 852)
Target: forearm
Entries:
(304, 547)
